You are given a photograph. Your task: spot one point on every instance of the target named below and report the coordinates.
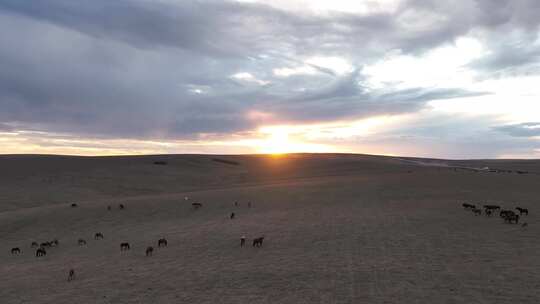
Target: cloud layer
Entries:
(182, 70)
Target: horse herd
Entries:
(41, 248)
(509, 216)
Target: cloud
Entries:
(182, 69)
(528, 129)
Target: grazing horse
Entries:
(149, 250)
(257, 242)
(512, 218)
(73, 205)
(34, 245)
(162, 242)
(71, 275)
(522, 210)
(81, 242)
(491, 207)
(41, 252)
(98, 236)
(16, 250)
(121, 206)
(467, 206)
(124, 246)
(477, 211)
(54, 243)
(45, 244)
(196, 205)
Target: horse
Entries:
(505, 213)
(15, 250)
(34, 245)
(492, 207)
(162, 242)
(121, 206)
(522, 210)
(98, 236)
(54, 243)
(196, 205)
(73, 205)
(45, 244)
(242, 241)
(124, 246)
(71, 275)
(257, 242)
(232, 215)
(467, 206)
(109, 208)
(489, 212)
(477, 211)
(41, 252)
(81, 242)
(512, 218)
(149, 250)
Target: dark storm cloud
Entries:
(161, 69)
(528, 129)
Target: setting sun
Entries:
(281, 140)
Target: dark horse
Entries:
(505, 213)
(41, 252)
(162, 242)
(34, 244)
(258, 241)
(81, 242)
(15, 250)
(512, 218)
(98, 236)
(124, 246)
(522, 210)
(71, 275)
(121, 206)
(468, 206)
(149, 250)
(73, 205)
(196, 205)
(477, 211)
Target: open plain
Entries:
(337, 228)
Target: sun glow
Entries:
(283, 140)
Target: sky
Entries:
(428, 78)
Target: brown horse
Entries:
(257, 242)
(162, 242)
(16, 250)
(71, 275)
(196, 205)
(149, 250)
(522, 210)
(98, 236)
(41, 252)
(81, 242)
(124, 246)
